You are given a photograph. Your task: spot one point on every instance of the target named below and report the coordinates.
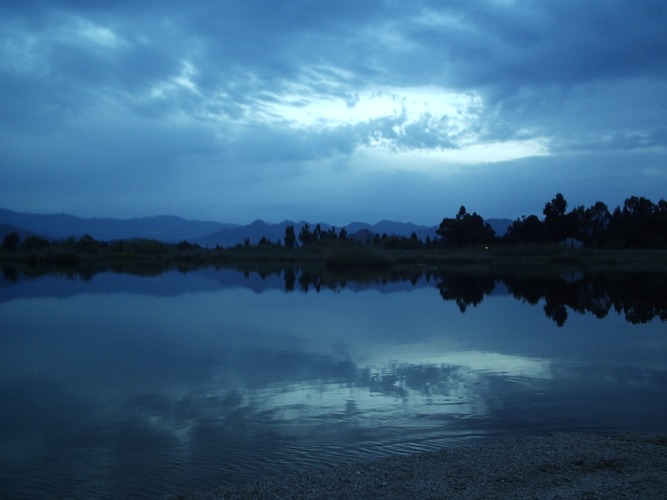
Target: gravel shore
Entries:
(560, 465)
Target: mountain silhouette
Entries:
(173, 229)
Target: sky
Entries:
(330, 111)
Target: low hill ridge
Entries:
(172, 229)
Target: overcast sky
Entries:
(331, 111)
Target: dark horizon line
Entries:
(239, 224)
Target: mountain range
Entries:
(205, 233)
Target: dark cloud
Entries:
(509, 45)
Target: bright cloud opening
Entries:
(442, 160)
(412, 103)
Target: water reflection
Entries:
(640, 297)
(132, 385)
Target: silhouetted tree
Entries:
(596, 223)
(11, 242)
(554, 218)
(329, 235)
(661, 222)
(186, 245)
(306, 236)
(638, 221)
(32, 243)
(639, 224)
(574, 223)
(526, 230)
(465, 229)
(317, 233)
(290, 237)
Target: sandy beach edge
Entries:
(558, 465)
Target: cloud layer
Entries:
(330, 111)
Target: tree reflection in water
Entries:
(465, 290)
(639, 296)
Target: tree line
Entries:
(639, 223)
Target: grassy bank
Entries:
(154, 256)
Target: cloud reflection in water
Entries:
(118, 391)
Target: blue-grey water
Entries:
(118, 385)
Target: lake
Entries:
(118, 384)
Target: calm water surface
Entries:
(121, 384)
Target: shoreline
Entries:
(559, 465)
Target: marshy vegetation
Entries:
(633, 237)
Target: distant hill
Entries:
(205, 233)
(58, 226)
(275, 232)
(406, 229)
(255, 231)
(391, 227)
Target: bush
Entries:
(33, 243)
